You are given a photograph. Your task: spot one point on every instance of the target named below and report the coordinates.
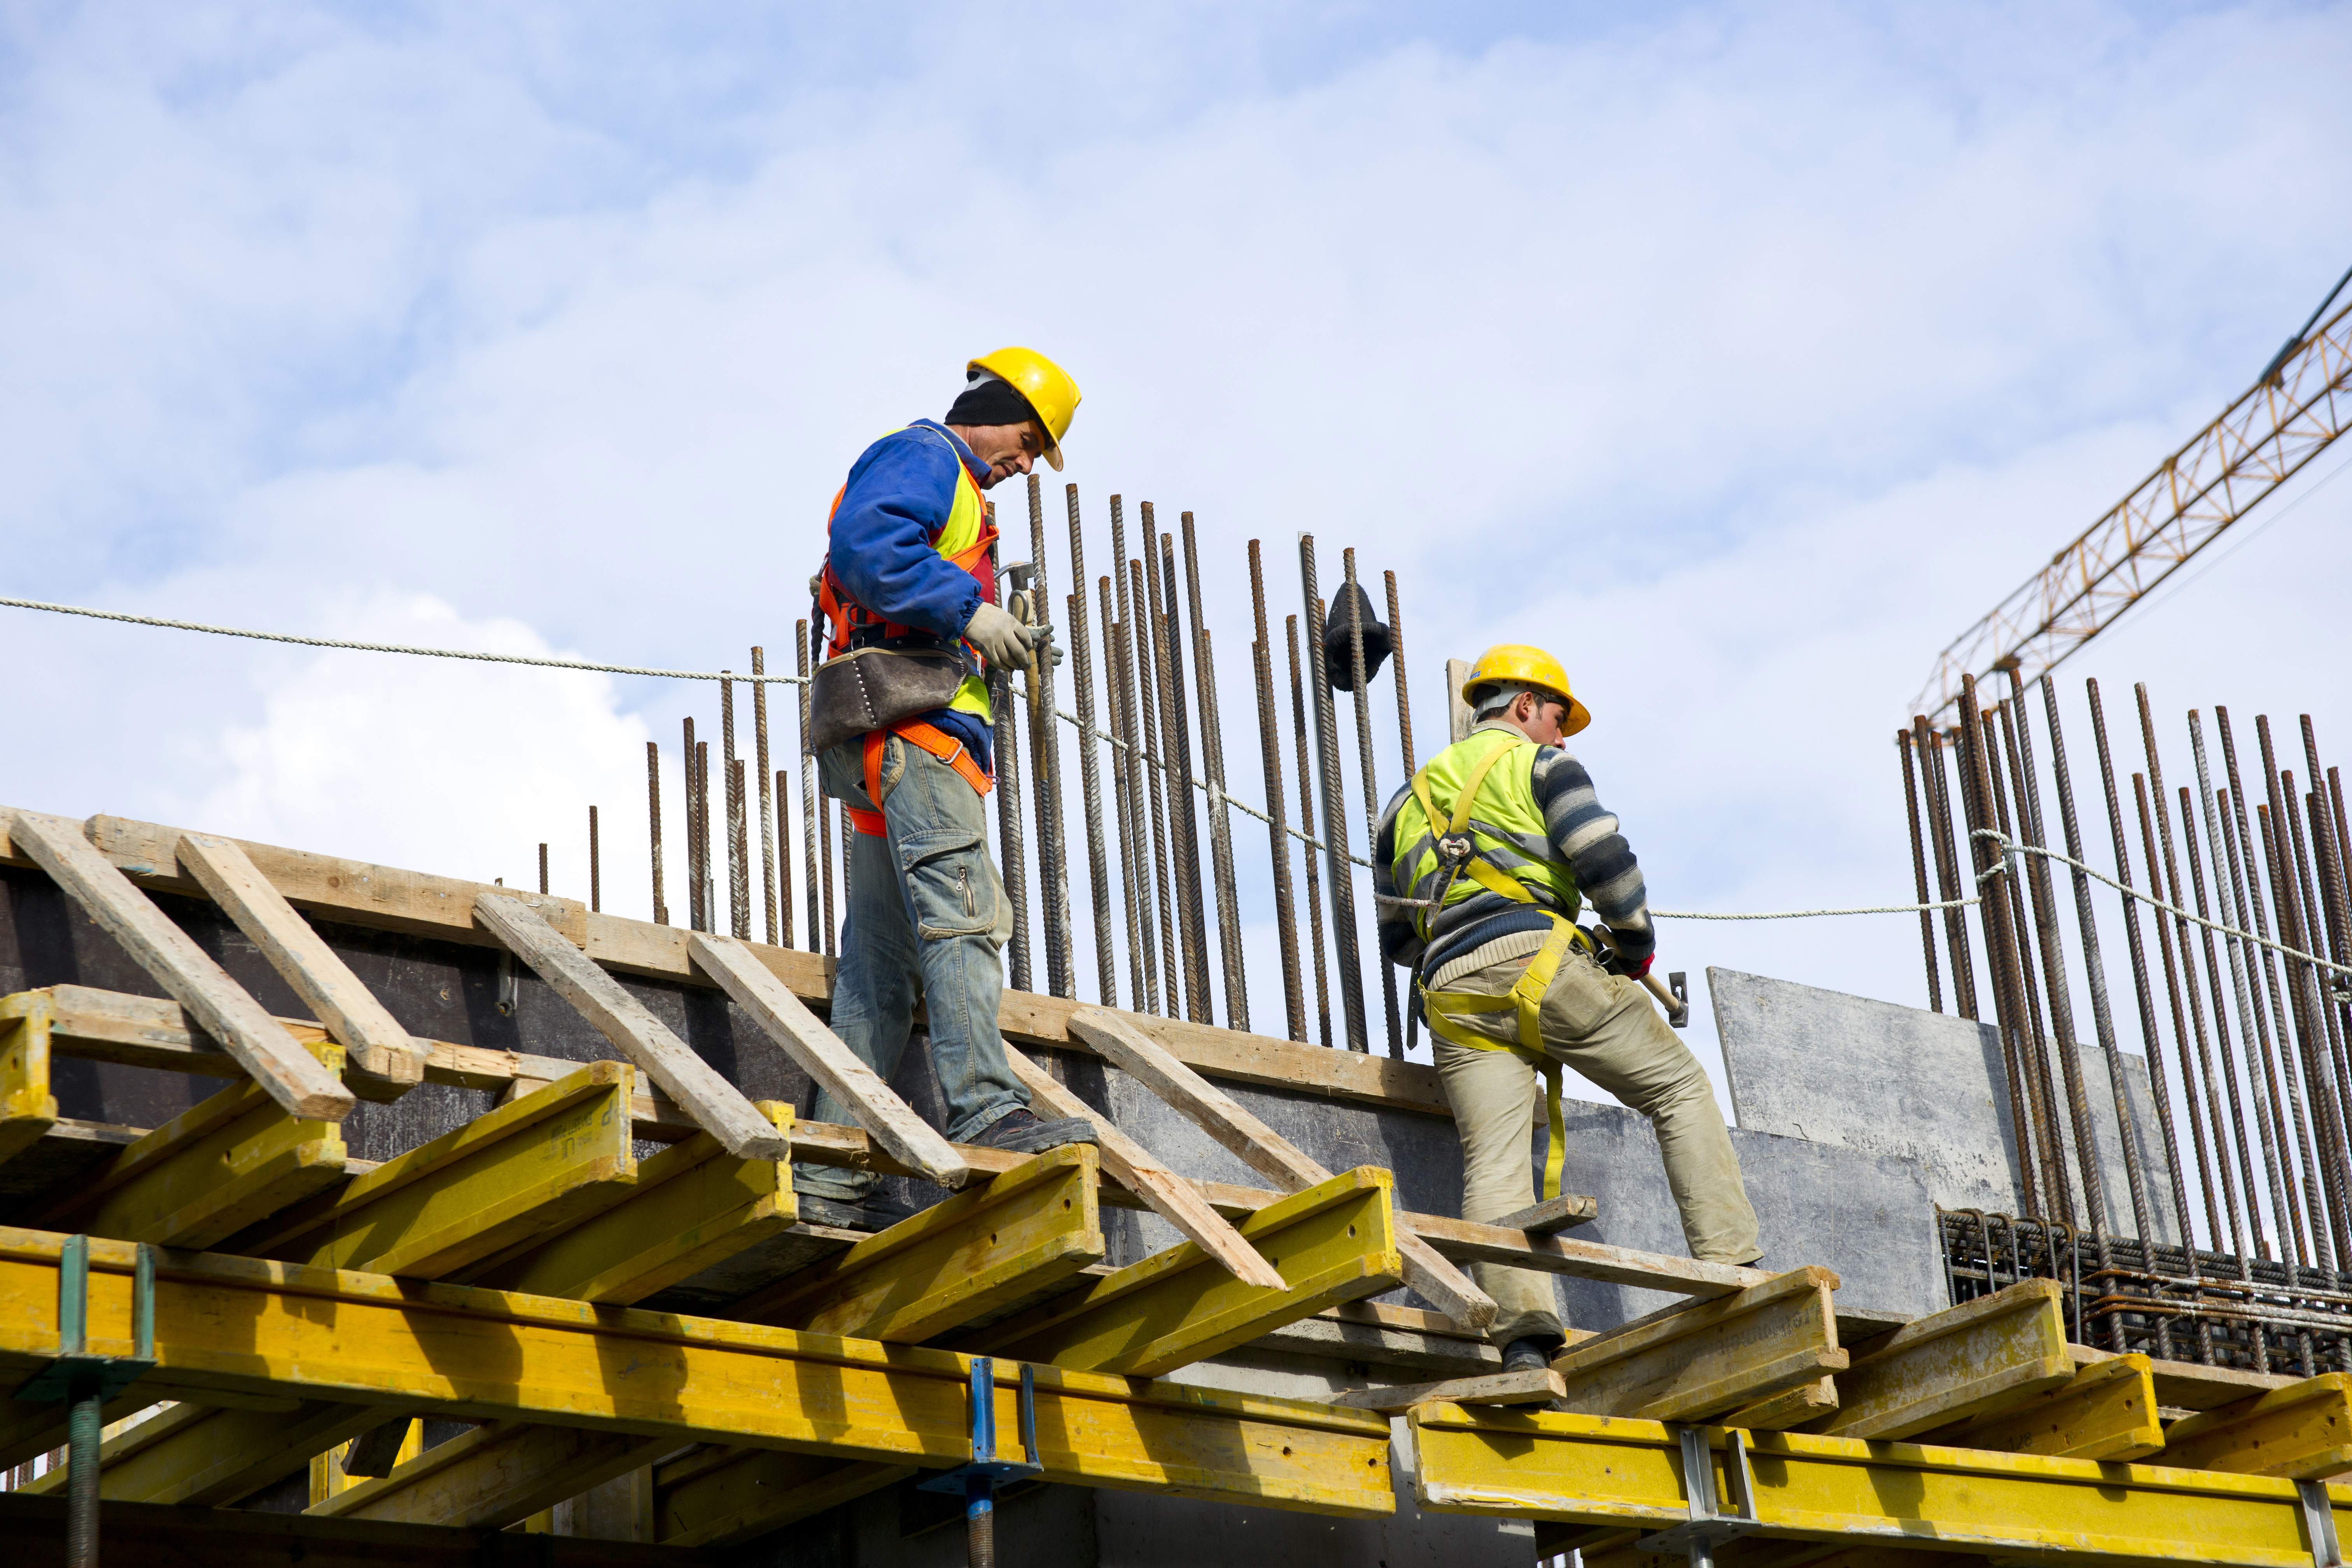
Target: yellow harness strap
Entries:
(1526, 995)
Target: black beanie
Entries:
(990, 400)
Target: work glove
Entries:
(1002, 641)
(1041, 639)
(1631, 971)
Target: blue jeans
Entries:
(928, 919)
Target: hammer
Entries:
(1673, 993)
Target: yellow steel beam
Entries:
(246, 1326)
(1334, 1242)
(517, 1174)
(27, 1108)
(212, 1171)
(1616, 1471)
(2302, 1432)
(981, 1250)
(2106, 1412)
(692, 1205)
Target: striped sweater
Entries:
(1583, 836)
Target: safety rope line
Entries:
(2009, 846)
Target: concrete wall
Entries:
(1852, 1073)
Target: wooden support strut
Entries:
(383, 1062)
(234, 1325)
(824, 1058)
(1267, 1151)
(1706, 1359)
(620, 1019)
(27, 1108)
(290, 1075)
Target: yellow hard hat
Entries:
(1526, 666)
(1047, 386)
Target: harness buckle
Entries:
(1455, 848)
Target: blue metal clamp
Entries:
(976, 1482)
(76, 1372)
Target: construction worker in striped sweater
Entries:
(910, 566)
(1501, 840)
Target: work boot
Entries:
(1020, 1132)
(1530, 1355)
(876, 1210)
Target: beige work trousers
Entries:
(1606, 1029)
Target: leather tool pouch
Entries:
(874, 688)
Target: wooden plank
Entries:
(1265, 1151)
(1705, 1360)
(208, 1456)
(718, 1497)
(2188, 1385)
(493, 1476)
(983, 1249)
(1466, 1241)
(1553, 1214)
(383, 1062)
(219, 1167)
(2302, 1432)
(246, 1325)
(1976, 1359)
(519, 1171)
(691, 1207)
(1489, 1388)
(1334, 1242)
(824, 1057)
(1790, 1408)
(2107, 1411)
(1136, 1168)
(27, 1108)
(292, 1076)
(645, 1040)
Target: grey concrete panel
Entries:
(1861, 1074)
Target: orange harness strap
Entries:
(933, 740)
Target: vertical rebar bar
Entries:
(783, 809)
(2319, 892)
(693, 831)
(1212, 764)
(1396, 673)
(1365, 772)
(1010, 847)
(1156, 782)
(738, 869)
(1143, 790)
(1176, 748)
(1935, 774)
(767, 804)
(2237, 1120)
(1134, 873)
(542, 868)
(2330, 1236)
(1993, 872)
(2151, 1036)
(1335, 808)
(1919, 872)
(654, 828)
(595, 866)
(1307, 826)
(1082, 674)
(811, 826)
(1269, 738)
(703, 835)
(2041, 1084)
(1045, 770)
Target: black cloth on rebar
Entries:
(990, 401)
(1338, 660)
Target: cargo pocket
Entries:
(951, 883)
(1579, 998)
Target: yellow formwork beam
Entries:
(27, 1108)
(2301, 1431)
(1615, 1471)
(692, 1205)
(492, 1475)
(216, 1168)
(1980, 1358)
(246, 1326)
(717, 1496)
(985, 1248)
(209, 1455)
(2106, 1412)
(507, 1178)
(1333, 1242)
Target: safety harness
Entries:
(1459, 854)
(930, 738)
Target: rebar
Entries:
(542, 869)
(1145, 711)
(1134, 872)
(1286, 929)
(784, 807)
(2237, 1120)
(1396, 673)
(1082, 674)
(1010, 847)
(1045, 770)
(1143, 780)
(1307, 826)
(1176, 751)
(1213, 762)
(1335, 808)
(653, 829)
(739, 859)
(596, 866)
(2317, 1052)
(1938, 780)
(1993, 873)
(2041, 1084)
(811, 826)
(1919, 872)
(693, 835)
(2064, 1038)
(702, 833)
(2151, 1035)
(1365, 772)
(2319, 892)
(767, 806)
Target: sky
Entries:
(1743, 355)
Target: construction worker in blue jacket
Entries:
(1485, 858)
(910, 564)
